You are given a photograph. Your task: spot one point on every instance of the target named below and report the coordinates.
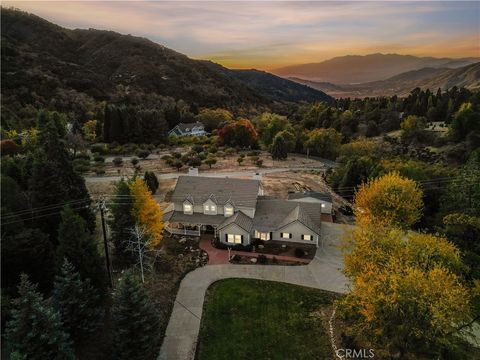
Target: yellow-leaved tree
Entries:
(147, 212)
(389, 200)
(407, 295)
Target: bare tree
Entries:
(139, 244)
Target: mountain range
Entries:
(354, 69)
(402, 84)
(43, 63)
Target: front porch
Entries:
(196, 224)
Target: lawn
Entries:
(252, 319)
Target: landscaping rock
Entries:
(284, 246)
(253, 260)
(261, 246)
(182, 240)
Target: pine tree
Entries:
(77, 301)
(122, 221)
(77, 245)
(135, 321)
(279, 148)
(151, 180)
(35, 330)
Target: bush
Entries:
(197, 148)
(299, 252)
(82, 168)
(81, 162)
(118, 161)
(262, 259)
(99, 171)
(101, 149)
(259, 162)
(82, 155)
(134, 161)
(143, 154)
(253, 153)
(99, 159)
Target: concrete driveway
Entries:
(323, 272)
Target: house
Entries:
(237, 212)
(190, 129)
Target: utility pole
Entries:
(102, 208)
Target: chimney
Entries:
(193, 171)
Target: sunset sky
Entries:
(267, 35)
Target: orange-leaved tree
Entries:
(390, 200)
(147, 212)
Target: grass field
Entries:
(252, 319)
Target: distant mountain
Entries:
(46, 65)
(426, 78)
(354, 69)
(272, 87)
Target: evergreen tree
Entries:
(122, 221)
(135, 321)
(77, 301)
(151, 180)
(54, 180)
(279, 148)
(35, 330)
(77, 245)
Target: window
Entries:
(210, 208)
(323, 205)
(262, 235)
(285, 235)
(307, 237)
(228, 210)
(234, 239)
(187, 208)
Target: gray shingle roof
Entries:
(195, 218)
(240, 219)
(313, 194)
(272, 214)
(242, 192)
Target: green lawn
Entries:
(252, 319)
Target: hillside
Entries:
(45, 65)
(354, 69)
(403, 84)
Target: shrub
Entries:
(299, 252)
(134, 161)
(259, 162)
(101, 149)
(197, 148)
(253, 153)
(82, 168)
(240, 161)
(99, 159)
(262, 259)
(118, 161)
(100, 170)
(143, 154)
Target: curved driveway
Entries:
(323, 272)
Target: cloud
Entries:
(267, 34)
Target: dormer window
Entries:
(209, 207)
(228, 210)
(187, 208)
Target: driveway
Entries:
(323, 272)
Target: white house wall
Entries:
(235, 230)
(297, 229)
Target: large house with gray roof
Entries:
(237, 212)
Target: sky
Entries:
(267, 35)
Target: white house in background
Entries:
(236, 212)
(190, 129)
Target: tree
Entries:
(122, 219)
(211, 160)
(465, 121)
(324, 142)
(135, 321)
(390, 199)
(269, 125)
(240, 160)
(279, 148)
(239, 133)
(75, 142)
(151, 180)
(35, 330)
(413, 127)
(407, 296)
(143, 154)
(213, 118)
(78, 246)
(53, 179)
(177, 164)
(89, 130)
(77, 301)
(147, 212)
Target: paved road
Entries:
(175, 175)
(323, 272)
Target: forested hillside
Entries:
(75, 71)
